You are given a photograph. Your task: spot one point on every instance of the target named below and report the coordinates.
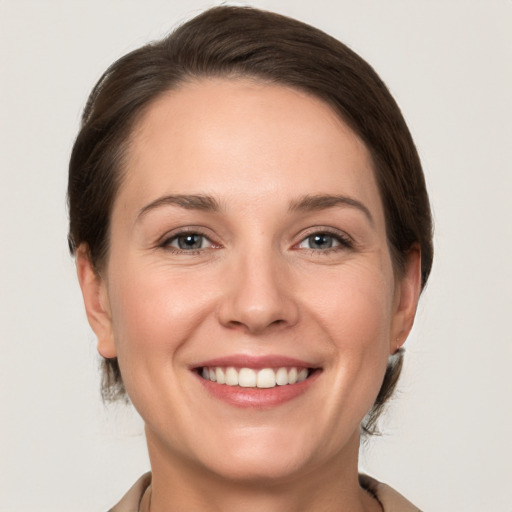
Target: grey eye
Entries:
(319, 241)
(189, 242)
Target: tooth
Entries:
(282, 377)
(302, 375)
(231, 376)
(292, 376)
(247, 378)
(266, 378)
(219, 374)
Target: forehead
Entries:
(239, 137)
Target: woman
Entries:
(252, 233)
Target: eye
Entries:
(188, 242)
(323, 241)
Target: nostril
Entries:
(235, 323)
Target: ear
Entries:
(407, 293)
(97, 306)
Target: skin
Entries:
(257, 286)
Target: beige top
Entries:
(390, 500)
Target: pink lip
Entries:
(254, 362)
(256, 398)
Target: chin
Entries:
(265, 468)
(260, 456)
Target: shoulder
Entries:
(131, 500)
(391, 500)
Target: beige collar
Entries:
(391, 500)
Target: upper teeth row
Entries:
(249, 378)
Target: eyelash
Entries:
(343, 240)
(166, 243)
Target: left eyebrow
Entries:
(321, 202)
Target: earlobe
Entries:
(407, 296)
(97, 307)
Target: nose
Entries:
(258, 295)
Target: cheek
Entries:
(359, 332)
(356, 314)
(154, 311)
(356, 304)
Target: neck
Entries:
(333, 486)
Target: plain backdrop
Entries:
(447, 442)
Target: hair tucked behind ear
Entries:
(393, 371)
(112, 386)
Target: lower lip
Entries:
(258, 398)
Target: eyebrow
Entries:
(189, 202)
(208, 203)
(310, 203)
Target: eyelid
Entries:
(314, 230)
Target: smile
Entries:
(257, 382)
(250, 378)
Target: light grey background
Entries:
(447, 443)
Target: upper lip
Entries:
(255, 362)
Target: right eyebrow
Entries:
(201, 202)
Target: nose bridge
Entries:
(258, 293)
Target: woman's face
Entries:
(248, 244)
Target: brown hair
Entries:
(241, 41)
